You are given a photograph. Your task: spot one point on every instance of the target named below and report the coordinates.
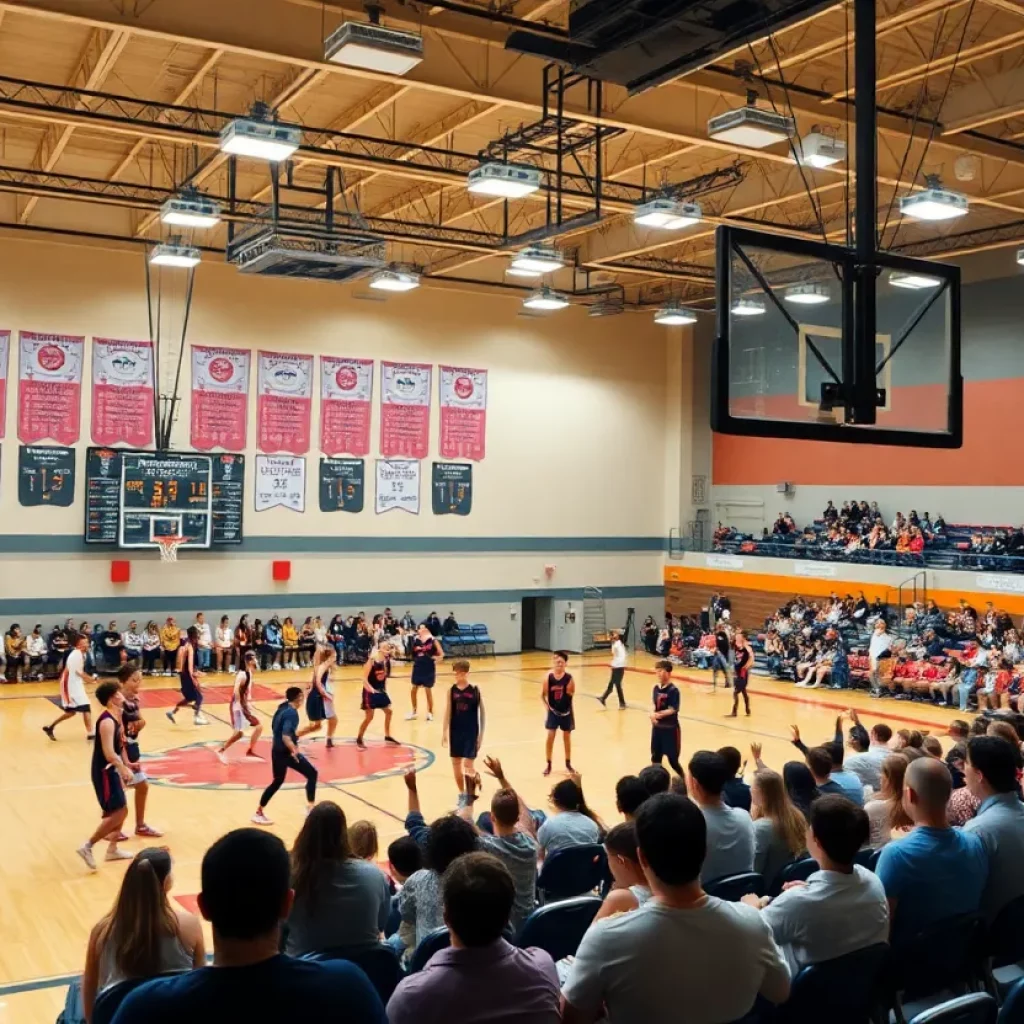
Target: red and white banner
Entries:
(284, 402)
(49, 387)
(5, 348)
(463, 413)
(220, 398)
(122, 392)
(405, 409)
(346, 391)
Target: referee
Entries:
(618, 671)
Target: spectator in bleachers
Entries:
(885, 811)
(879, 648)
(246, 894)
(779, 827)
(341, 900)
(433, 623)
(801, 786)
(730, 832)
(974, 661)
(573, 823)
(656, 779)
(821, 764)
(35, 648)
(936, 871)
(627, 967)
(223, 641)
(736, 792)
(630, 793)
(649, 635)
(15, 649)
(450, 626)
(803, 918)
(630, 889)
(480, 967)
(869, 750)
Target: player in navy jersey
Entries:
(666, 740)
(320, 702)
(284, 754)
(191, 688)
(557, 695)
(743, 662)
(375, 695)
(463, 730)
(426, 653)
(110, 776)
(133, 723)
(242, 713)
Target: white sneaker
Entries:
(221, 756)
(411, 717)
(430, 717)
(200, 720)
(113, 853)
(259, 818)
(85, 852)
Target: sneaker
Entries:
(430, 716)
(85, 852)
(547, 771)
(391, 739)
(330, 743)
(221, 756)
(623, 707)
(411, 717)
(113, 853)
(259, 818)
(170, 716)
(253, 757)
(200, 720)
(48, 729)
(148, 831)
(360, 744)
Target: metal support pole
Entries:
(599, 156)
(558, 159)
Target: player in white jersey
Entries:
(242, 713)
(73, 698)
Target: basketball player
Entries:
(666, 740)
(133, 723)
(284, 754)
(557, 695)
(463, 729)
(191, 687)
(242, 713)
(375, 695)
(110, 775)
(73, 698)
(426, 653)
(744, 660)
(320, 702)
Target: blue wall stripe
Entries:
(221, 603)
(43, 543)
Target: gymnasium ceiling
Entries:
(950, 93)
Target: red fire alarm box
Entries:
(120, 571)
(282, 572)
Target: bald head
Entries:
(926, 789)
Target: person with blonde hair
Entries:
(363, 840)
(320, 698)
(780, 830)
(886, 813)
(375, 696)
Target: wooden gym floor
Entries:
(47, 808)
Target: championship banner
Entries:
(398, 486)
(463, 413)
(49, 387)
(284, 402)
(405, 409)
(5, 348)
(220, 398)
(346, 391)
(280, 481)
(122, 392)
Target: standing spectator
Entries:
(245, 896)
(803, 918)
(170, 641)
(723, 656)
(886, 813)
(991, 773)
(627, 967)
(937, 871)
(779, 827)
(204, 643)
(879, 647)
(730, 832)
(480, 977)
(649, 635)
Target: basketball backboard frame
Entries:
(730, 244)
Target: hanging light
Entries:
(675, 316)
(748, 307)
(817, 149)
(190, 210)
(808, 294)
(522, 272)
(934, 202)
(174, 254)
(260, 137)
(538, 259)
(1020, 257)
(507, 181)
(665, 212)
(394, 281)
(751, 126)
(546, 299)
(912, 280)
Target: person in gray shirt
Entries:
(991, 771)
(572, 824)
(870, 749)
(730, 832)
(340, 900)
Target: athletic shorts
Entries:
(318, 707)
(740, 682)
(463, 744)
(241, 717)
(78, 709)
(189, 690)
(375, 701)
(109, 791)
(666, 742)
(564, 722)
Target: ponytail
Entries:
(567, 795)
(141, 917)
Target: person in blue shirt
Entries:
(246, 894)
(936, 871)
(836, 779)
(284, 753)
(273, 643)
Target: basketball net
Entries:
(169, 547)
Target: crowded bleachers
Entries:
(859, 532)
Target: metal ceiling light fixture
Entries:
(808, 294)
(751, 126)
(934, 202)
(394, 280)
(546, 299)
(820, 149)
(536, 259)
(370, 45)
(668, 213)
(912, 281)
(190, 210)
(748, 307)
(675, 315)
(260, 137)
(507, 181)
(174, 254)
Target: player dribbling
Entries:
(242, 713)
(557, 695)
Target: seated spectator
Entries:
(340, 899)
(838, 780)
(480, 977)
(800, 785)
(144, 934)
(773, 651)
(885, 812)
(870, 749)
(572, 823)
(132, 641)
(16, 654)
(779, 828)
(991, 771)
(363, 840)
(736, 792)
(628, 967)
(630, 793)
(630, 889)
(151, 648)
(450, 626)
(656, 779)
(245, 896)
(730, 832)
(35, 648)
(803, 918)
(936, 871)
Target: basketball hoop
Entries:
(169, 547)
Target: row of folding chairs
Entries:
(470, 640)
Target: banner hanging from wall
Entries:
(405, 409)
(341, 485)
(463, 413)
(280, 482)
(346, 394)
(398, 485)
(451, 488)
(284, 402)
(49, 387)
(122, 392)
(46, 476)
(220, 397)
(5, 349)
